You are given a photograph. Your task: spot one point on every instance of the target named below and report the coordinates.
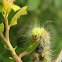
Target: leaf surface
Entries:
(22, 11)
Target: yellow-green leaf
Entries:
(22, 11)
(6, 6)
(14, 7)
(1, 27)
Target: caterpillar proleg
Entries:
(42, 51)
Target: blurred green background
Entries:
(46, 13)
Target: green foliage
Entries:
(33, 46)
(1, 27)
(15, 7)
(18, 14)
(33, 4)
(6, 6)
(58, 3)
(0, 1)
(48, 10)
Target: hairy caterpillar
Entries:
(42, 52)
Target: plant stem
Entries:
(22, 54)
(8, 41)
(7, 27)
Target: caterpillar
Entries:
(42, 51)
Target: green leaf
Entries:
(33, 46)
(15, 7)
(6, 6)
(22, 11)
(1, 27)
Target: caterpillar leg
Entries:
(37, 57)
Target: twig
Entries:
(22, 54)
(8, 41)
(59, 57)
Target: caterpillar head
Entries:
(38, 33)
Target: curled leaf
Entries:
(22, 11)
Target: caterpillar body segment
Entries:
(42, 51)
